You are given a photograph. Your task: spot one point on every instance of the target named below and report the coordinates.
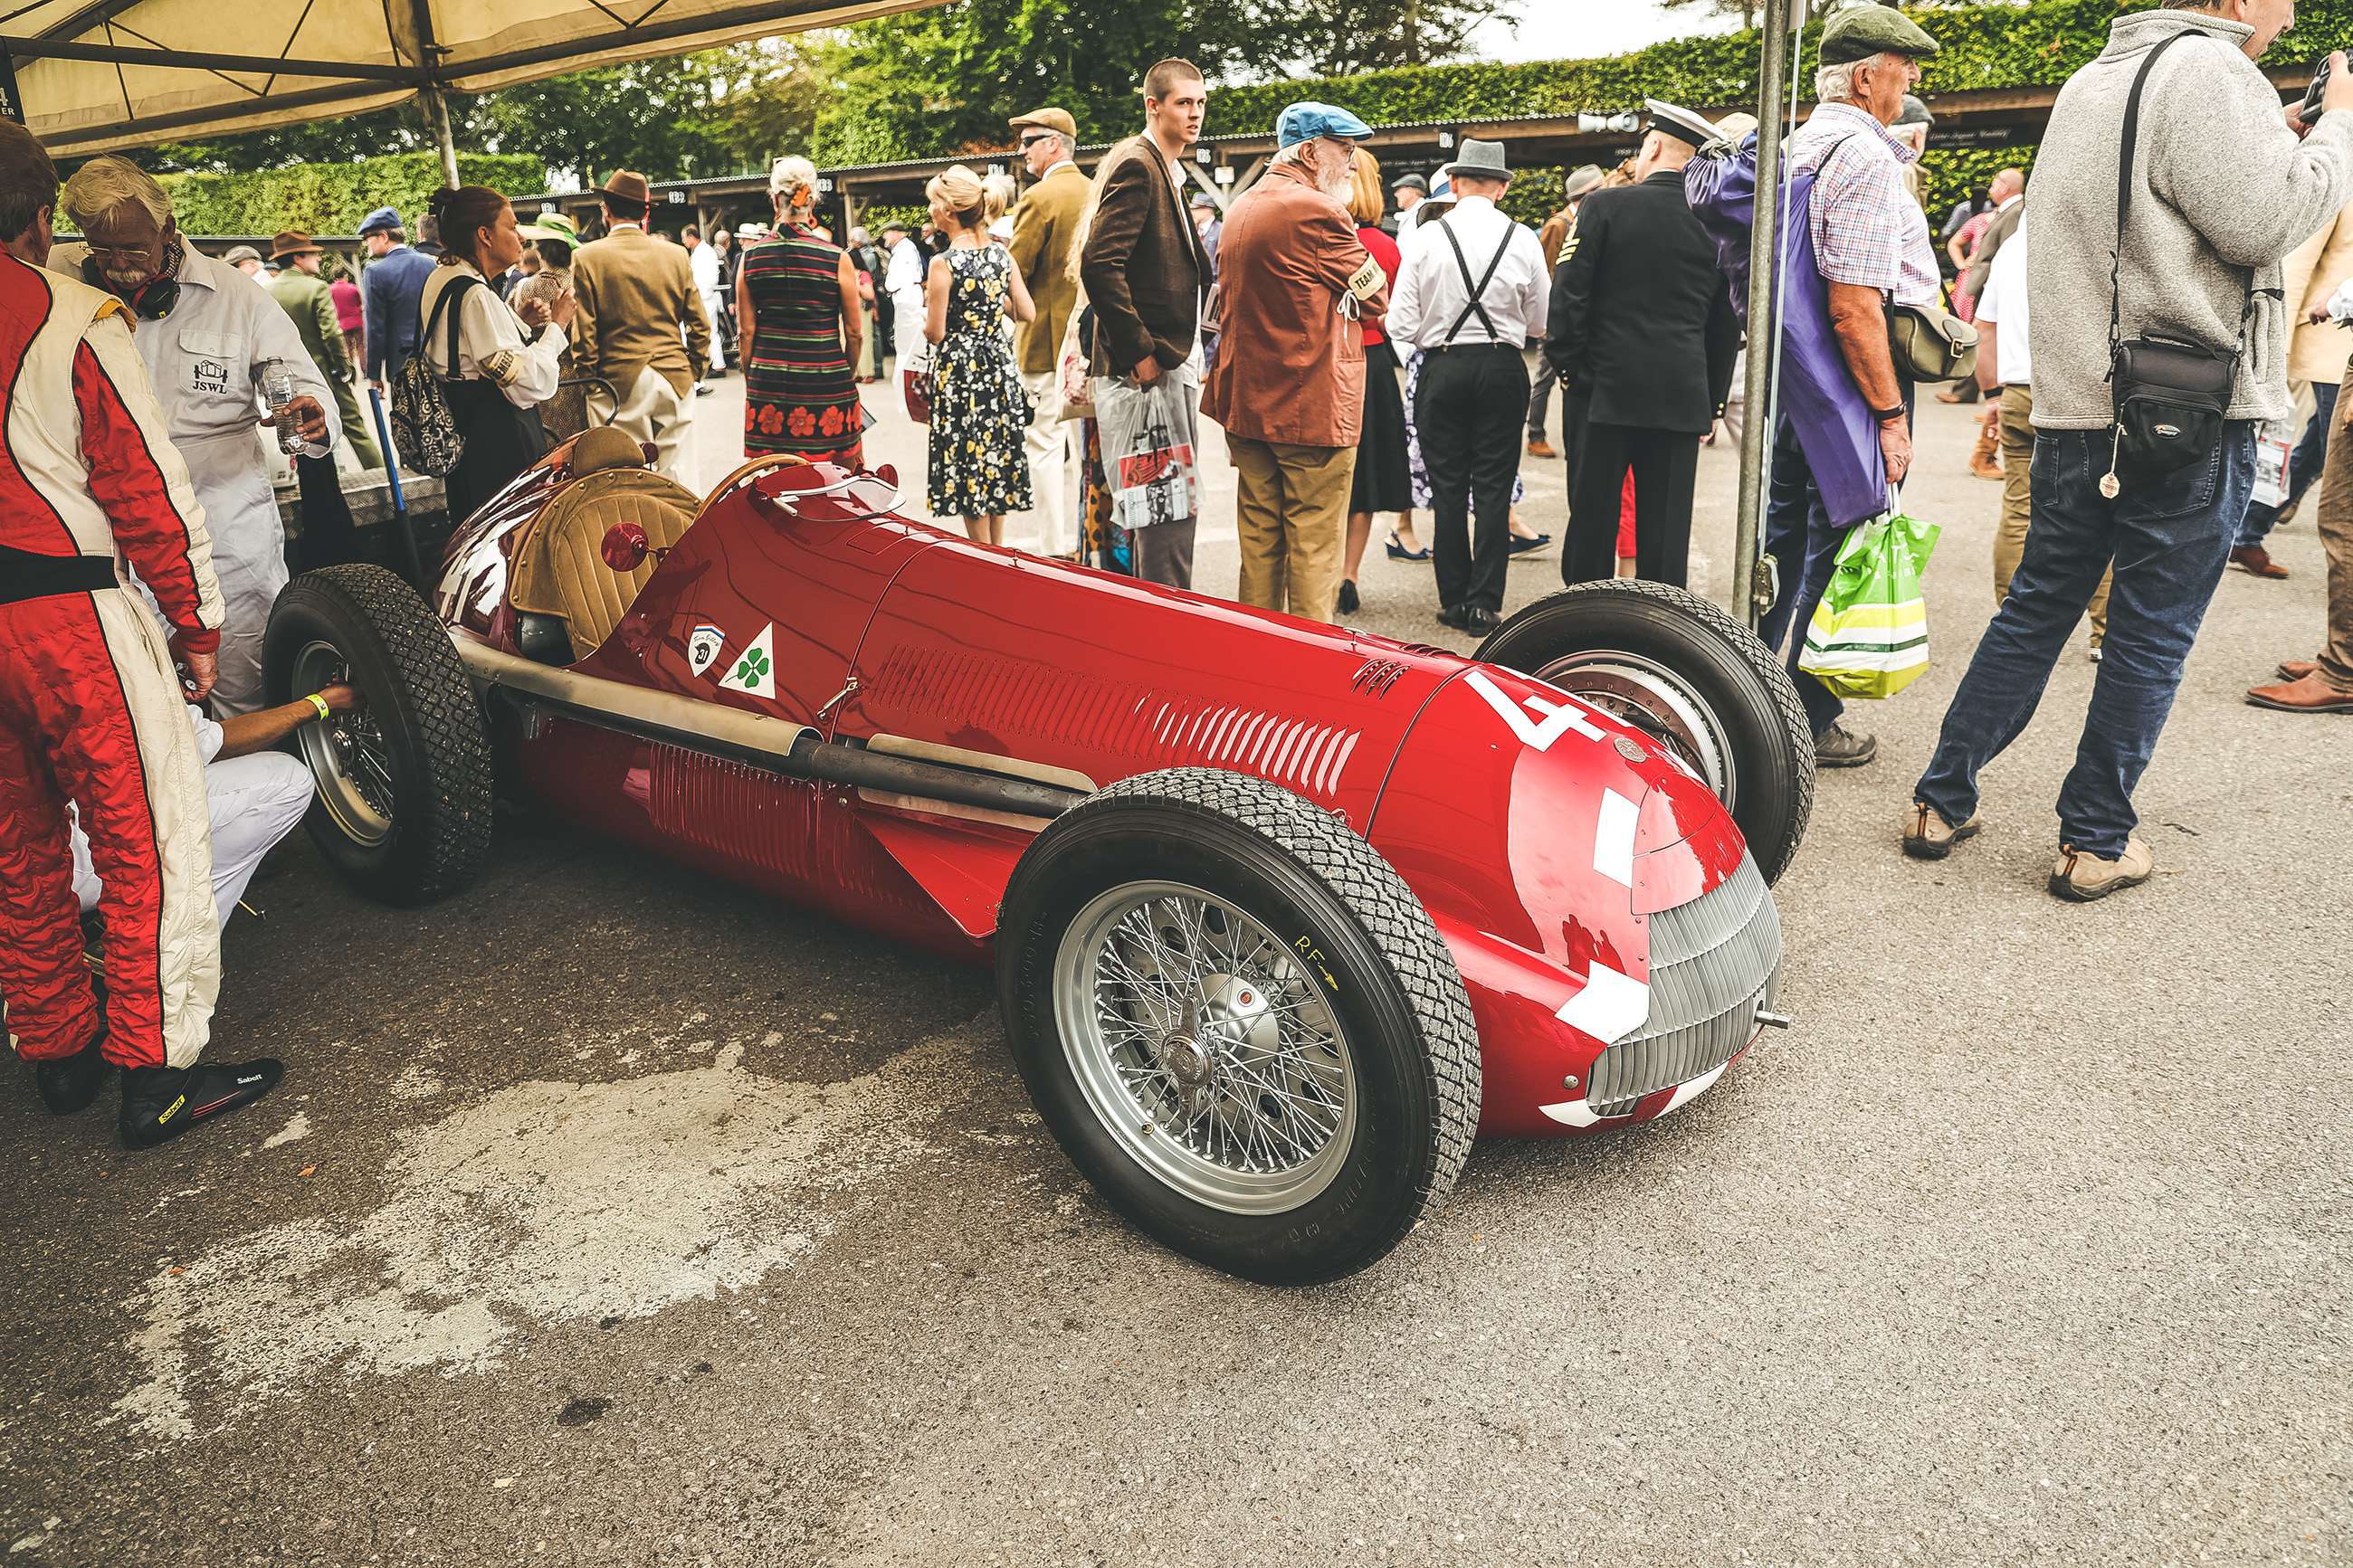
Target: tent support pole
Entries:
(1752, 587)
(437, 118)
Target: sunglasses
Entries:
(1032, 140)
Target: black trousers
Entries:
(1665, 464)
(328, 538)
(1469, 414)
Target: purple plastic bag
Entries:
(1818, 398)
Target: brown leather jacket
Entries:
(1143, 268)
(1294, 282)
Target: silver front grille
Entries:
(1714, 962)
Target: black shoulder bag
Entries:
(424, 427)
(2171, 394)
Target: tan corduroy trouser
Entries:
(1291, 509)
(2018, 504)
(2335, 526)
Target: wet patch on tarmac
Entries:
(539, 1204)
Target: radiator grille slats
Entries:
(1714, 962)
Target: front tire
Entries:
(1240, 1023)
(404, 800)
(1676, 667)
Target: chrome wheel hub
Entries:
(346, 753)
(1654, 699)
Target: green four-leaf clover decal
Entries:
(752, 669)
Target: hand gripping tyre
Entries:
(404, 802)
(1676, 667)
(1240, 1024)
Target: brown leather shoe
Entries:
(2297, 668)
(2256, 561)
(2082, 878)
(1540, 447)
(2310, 694)
(1928, 836)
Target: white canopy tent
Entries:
(91, 75)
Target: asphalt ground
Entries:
(610, 1215)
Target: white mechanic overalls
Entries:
(207, 360)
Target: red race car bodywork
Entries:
(1618, 944)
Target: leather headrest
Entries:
(604, 447)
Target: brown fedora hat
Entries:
(291, 242)
(628, 184)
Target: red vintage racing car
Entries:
(1281, 913)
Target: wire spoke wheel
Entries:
(346, 753)
(1204, 1047)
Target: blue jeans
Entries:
(2170, 539)
(2302, 467)
(1804, 545)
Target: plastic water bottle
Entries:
(277, 390)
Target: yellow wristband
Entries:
(315, 700)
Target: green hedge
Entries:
(332, 198)
(1985, 45)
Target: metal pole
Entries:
(437, 115)
(1751, 582)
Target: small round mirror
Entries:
(626, 546)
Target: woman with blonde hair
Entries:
(980, 470)
(797, 310)
(1381, 482)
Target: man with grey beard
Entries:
(1294, 285)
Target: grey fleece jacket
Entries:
(2223, 189)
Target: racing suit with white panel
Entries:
(254, 801)
(90, 710)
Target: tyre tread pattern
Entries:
(1391, 915)
(1751, 650)
(446, 836)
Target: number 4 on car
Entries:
(1283, 914)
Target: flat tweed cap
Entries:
(1867, 30)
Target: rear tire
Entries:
(1677, 666)
(1240, 1023)
(404, 804)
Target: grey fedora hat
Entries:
(1480, 160)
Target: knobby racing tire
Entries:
(403, 801)
(1696, 680)
(1240, 1023)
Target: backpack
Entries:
(423, 426)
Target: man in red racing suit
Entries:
(89, 706)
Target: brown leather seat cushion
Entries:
(559, 567)
(604, 447)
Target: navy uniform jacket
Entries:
(390, 290)
(1641, 321)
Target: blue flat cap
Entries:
(1306, 122)
(383, 217)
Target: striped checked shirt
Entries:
(1867, 228)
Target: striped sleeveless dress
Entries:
(798, 395)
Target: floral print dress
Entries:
(980, 408)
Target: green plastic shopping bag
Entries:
(1869, 637)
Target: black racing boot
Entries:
(161, 1103)
(69, 1084)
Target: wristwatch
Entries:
(1888, 415)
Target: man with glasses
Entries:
(213, 344)
(1045, 232)
(1289, 383)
